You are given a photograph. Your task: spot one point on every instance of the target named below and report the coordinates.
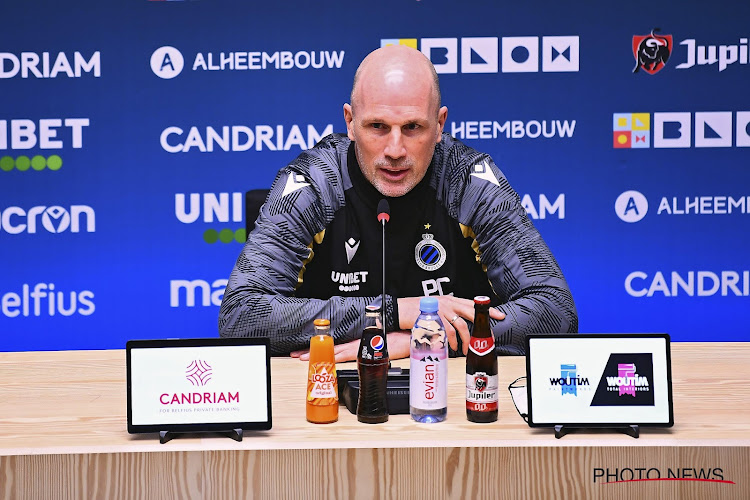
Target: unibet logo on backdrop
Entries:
(708, 129)
(32, 65)
(55, 219)
(168, 62)
(24, 135)
(519, 54)
(219, 207)
(632, 206)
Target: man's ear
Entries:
(349, 119)
(442, 117)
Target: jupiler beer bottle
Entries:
(481, 367)
(372, 366)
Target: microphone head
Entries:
(384, 211)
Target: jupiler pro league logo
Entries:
(627, 381)
(651, 52)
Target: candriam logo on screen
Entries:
(215, 207)
(490, 54)
(44, 299)
(241, 138)
(632, 206)
(168, 62)
(50, 65)
(54, 219)
(30, 141)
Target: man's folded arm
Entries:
(520, 267)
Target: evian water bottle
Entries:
(428, 372)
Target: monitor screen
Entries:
(183, 385)
(599, 380)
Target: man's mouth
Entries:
(394, 174)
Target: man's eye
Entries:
(412, 126)
(377, 125)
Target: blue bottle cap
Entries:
(428, 304)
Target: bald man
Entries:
(457, 230)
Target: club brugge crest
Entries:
(429, 254)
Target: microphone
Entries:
(384, 215)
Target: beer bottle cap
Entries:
(428, 304)
(482, 300)
(322, 322)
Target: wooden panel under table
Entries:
(63, 435)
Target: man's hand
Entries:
(398, 347)
(449, 307)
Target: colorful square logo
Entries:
(631, 130)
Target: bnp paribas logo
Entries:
(212, 208)
(36, 145)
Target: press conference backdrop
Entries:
(129, 132)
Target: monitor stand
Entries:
(630, 430)
(165, 436)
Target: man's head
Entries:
(395, 118)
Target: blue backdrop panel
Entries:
(129, 133)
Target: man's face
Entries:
(395, 129)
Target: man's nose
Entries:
(395, 146)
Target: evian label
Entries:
(428, 385)
(481, 346)
(322, 385)
(481, 392)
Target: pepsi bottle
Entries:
(372, 367)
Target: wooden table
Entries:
(63, 435)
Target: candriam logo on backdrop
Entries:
(709, 129)
(215, 207)
(168, 62)
(54, 219)
(632, 206)
(691, 283)
(42, 299)
(513, 129)
(49, 65)
(544, 207)
(518, 54)
(241, 138)
(654, 50)
(29, 136)
(210, 294)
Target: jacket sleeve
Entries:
(520, 267)
(259, 300)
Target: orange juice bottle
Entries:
(322, 385)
